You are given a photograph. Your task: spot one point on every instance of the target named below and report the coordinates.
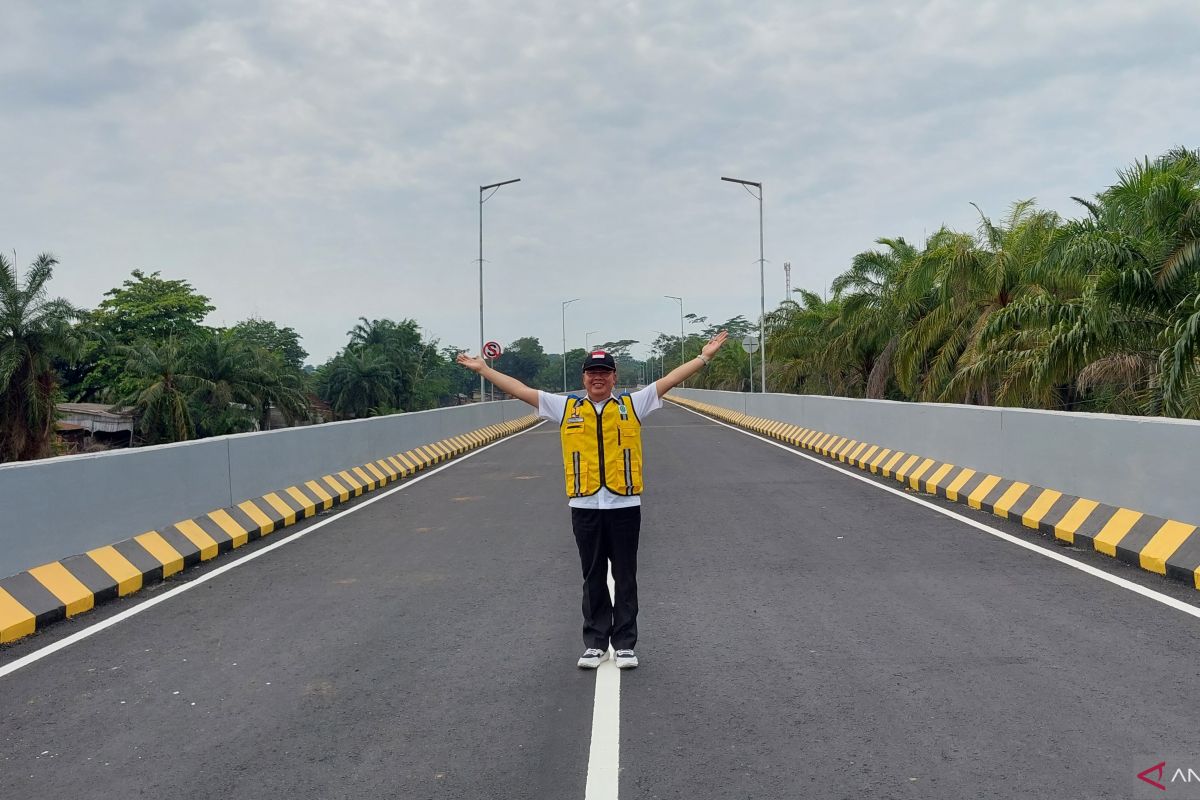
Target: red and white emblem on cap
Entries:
(598, 354)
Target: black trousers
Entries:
(603, 536)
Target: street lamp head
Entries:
(744, 183)
(498, 185)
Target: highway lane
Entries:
(422, 646)
(807, 635)
(803, 635)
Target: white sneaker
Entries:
(626, 659)
(591, 658)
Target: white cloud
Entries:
(316, 162)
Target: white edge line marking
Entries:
(604, 753)
(1166, 600)
(25, 661)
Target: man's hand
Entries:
(472, 363)
(689, 368)
(714, 344)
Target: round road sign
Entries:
(750, 343)
(492, 350)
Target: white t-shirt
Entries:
(645, 402)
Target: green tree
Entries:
(619, 350)
(874, 312)
(145, 307)
(941, 356)
(265, 334)
(161, 396)
(799, 352)
(402, 349)
(229, 384)
(1115, 328)
(444, 381)
(280, 386)
(154, 308)
(34, 331)
(523, 359)
(356, 381)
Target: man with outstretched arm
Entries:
(602, 464)
(601, 443)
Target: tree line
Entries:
(144, 349)
(1098, 313)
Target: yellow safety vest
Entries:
(601, 449)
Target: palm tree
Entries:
(33, 332)
(941, 356)
(228, 384)
(357, 381)
(161, 399)
(1122, 329)
(281, 387)
(400, 344)
(800, 338)
(874, 312)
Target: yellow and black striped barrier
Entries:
(1165, 546)
(31, 600)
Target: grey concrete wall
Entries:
(1145, 463)
(59, 507)
(265, 461)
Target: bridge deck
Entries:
(803, 634)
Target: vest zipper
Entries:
(600, 442)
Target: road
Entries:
(803, 635)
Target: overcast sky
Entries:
(314, 162)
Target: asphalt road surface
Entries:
(803, 635)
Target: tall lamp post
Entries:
(494, 187)
(565, 303)
(586, 345)
(680, 299)
(762, 281)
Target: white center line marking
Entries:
(25, 661)
(1166, 600)
(604, 755)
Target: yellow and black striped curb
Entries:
(31, 600)
(1165, 546)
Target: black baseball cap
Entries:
(599, 359)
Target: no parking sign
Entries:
(492, 350)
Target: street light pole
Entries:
(586, 345)
(762, 281)
(494, 187)
(680, 299)
(564, 332)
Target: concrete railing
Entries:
(58, 507)
(1144, 463)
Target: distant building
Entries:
(85, 424)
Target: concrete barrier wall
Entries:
(1144, 463)
(58, 507)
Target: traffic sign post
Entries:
(750, 345)
(492, 351)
